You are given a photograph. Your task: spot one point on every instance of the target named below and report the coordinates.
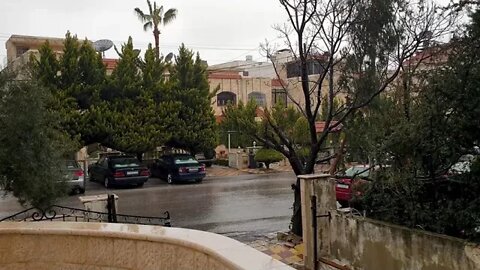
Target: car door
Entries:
(163, 166)
(94, 169)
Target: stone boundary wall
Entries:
(369, 244)
(365, 244)
(104, 246)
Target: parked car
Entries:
(119, 171)
(350, 181)
(463, 165)
(203, 159)
(178, 167)
(75, 178)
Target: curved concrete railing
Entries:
(64, 245)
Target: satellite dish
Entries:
(102, 45)
(169, 57)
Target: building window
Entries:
(294, 69)
(21, 51)
(279, 96)
(314, 67)
(259, 98)
(225, 98)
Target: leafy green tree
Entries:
(421, 147)
(75, 81)
(127, 108)
(268, 156)
(137, 112)
(69, 69)
(130, 111)
(153, 19)
(337, 103)
(197, 129)
(92, 76)
(238, 138)
(153, 70)
(126, 80)
(46, 68)
(366, 40)
(31, 145)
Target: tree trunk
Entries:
(338, 157)
(297, 209)
(298, 168)
(156, 34)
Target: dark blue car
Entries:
(177, 168)
(119, 171)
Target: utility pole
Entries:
(229, 140)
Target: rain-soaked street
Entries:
(243, 207)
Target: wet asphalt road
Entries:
(244, 207)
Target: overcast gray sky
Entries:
(221, 30)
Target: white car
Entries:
(463, 165)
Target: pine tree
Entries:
(46, 68)
(69, 73)
(197, 130)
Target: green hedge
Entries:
(221, 162)
(268, 156)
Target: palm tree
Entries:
(153, 19)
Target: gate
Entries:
(70, 214)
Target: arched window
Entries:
(259, 98)
(224, 98)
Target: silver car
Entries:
(75, 177)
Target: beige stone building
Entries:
(266, 83)
(241, 81)
(20, 48)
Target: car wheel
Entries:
(106, 182)
(81, 191)
(343, 204)
(199, 180)
(170, 178)
(140, 185)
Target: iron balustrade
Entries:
(62, 213)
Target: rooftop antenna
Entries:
(102, 46)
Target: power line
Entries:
(202, 47)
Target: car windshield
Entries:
(184, 160)
(125, 162)
(358, 171)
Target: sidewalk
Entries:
(287, 250)
(216, 170)
(274, 168)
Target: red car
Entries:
(349, 182)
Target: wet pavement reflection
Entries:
(244, 207)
